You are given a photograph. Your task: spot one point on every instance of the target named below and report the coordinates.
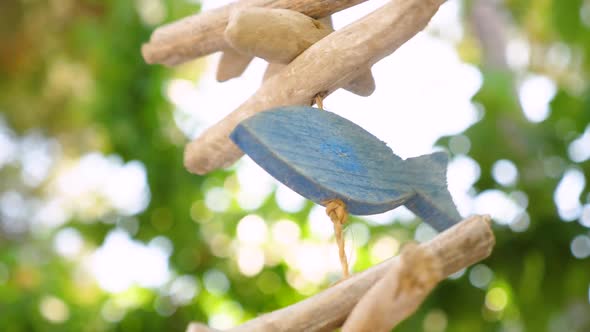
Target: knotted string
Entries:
(336, 210)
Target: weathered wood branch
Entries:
(458, 247)
(275, 35)
(280, 35)
(325, 66)
(202, 34)
(398, 294)
(232, 64)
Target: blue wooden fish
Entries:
(323, 156)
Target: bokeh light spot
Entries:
(480, 276)
(164, 306)
(319, 223)
(151, 12)
(215, 282)
(112, 312)
(68, 242)
(226, 316)
(359, 233)
(217, 199)
(579, 149)
(496, 299)
(252, 230)
(502, 208)
(286, 232)
(122, 262)
(424, 232)
(435, 321)
(580, 246)
(585, 218)
(384, 248)
(567, 194)
(250, 260)
(458, 274)
(288, 200)
(522, 223)
(518, 52)
(54, 309)
(183, 289)
(505, 172)
(535, 93)
(459, 144)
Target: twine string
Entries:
(336, 210)
(319, 100)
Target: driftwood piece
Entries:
(280, 35)
(325, 66)
(232, 64)
(398, 294)
(458, 247)
(275, 35)
(272, 69)
(363, 85)
(202, 34)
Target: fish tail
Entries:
(432, 201)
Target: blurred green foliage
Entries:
(71, 73)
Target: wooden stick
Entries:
(363, 85)
(458, 247)
(272, 69)
(398, 294)
(202, 34)
(232, 64)
(275, 35)
(325, 66)
(280, 35)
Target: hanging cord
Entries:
(319, 100)
(336, 210)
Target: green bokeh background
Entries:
(71, 73)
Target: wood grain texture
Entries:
(459, 247)
(202, 34)
(325, 66)
(323, 157)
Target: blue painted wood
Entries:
(323, 156)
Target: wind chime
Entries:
(322, 156)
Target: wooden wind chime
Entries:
(322, 156)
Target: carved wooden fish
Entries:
(323, 156)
